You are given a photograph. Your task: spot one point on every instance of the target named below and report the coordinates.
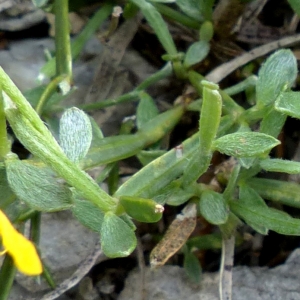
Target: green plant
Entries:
(167, 178)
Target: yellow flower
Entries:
(21, 250)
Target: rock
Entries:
(171, 282)
(64, 244)
(19, 15)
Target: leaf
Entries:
(272, 219)
(87, 213)
(205, 242)
(175, 237)
(277, 73)
(249, 197)
(159, 173)
(146, 110)
(192, 266)
(146, 157)
(199, 10)
(75, 134)
(115, 148)
(7, 195)
(289, 104)
(213, 208)
(295, 4)
(287, 193)
(196, 53)
(37, 186)
(142, 210)
(245, 144)
(280, 165)
(158, 24)
(117, 238)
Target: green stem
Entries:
(134, 95)
(48, 70)
(4, 142)
(49, 91)
(176, 16)
(35, 228)
(62, 38)
(7, 275)
(241, 86)
(166, 71)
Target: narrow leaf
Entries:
(272, 219)
(156, 21)
(192, 266)
(117, 238)
(245, 144)
(287, 193)
(295, 4)
(280, 165)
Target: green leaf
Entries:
(287, 193)
(213, 207)
(196, 53)
(289, 104)
(159, 173)
(173, 194)
(146, 157)
(75, 134)
(249, 197)
(7, 195)
(276, 74)
(146, 110)
(163, 1)
(158, 24)
(280, 165)
(87, 213)
(295, 4)
(142, 210)
(115, 148)
(192, 266)
(272, 219)
(205, 242)
(117, 238)
(37, 186)
(210, 117)
(199, 10)
(245, 144)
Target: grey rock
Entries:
(171, 282)
(64, 244)
(19, 15)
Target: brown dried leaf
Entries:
(175, 237)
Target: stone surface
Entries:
(171, 282)
(64, 244)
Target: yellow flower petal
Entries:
(21, 250)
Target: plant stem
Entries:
(225, 287)
(4, 142)
(7, 275)
(62, 38)
(176, 16)
(49, 91)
